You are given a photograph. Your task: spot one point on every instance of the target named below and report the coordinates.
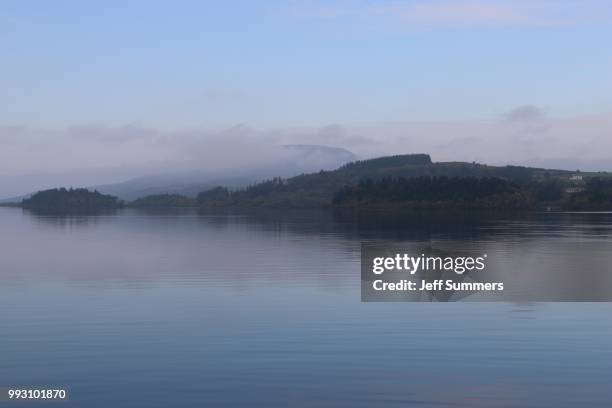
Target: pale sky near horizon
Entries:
(113, 89)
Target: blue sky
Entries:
(300, 63)
(97, 92)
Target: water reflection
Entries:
(297, 247)
(262, 309)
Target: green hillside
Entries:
(318, 189)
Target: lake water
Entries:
(263, 309)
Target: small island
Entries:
(60, 200)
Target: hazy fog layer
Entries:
(35, 158)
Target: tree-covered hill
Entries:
(318, 189)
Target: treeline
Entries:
(276, 192)
(389, 162)
(414, 192)
(436, 192)
(402, 180)
(66, 200)
(319, 189)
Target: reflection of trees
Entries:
(360, 225)
(395, 225)
(536, 250)
(69, 219)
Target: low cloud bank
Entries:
(34, 158)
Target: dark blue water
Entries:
(263, 310)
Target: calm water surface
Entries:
(263, 310)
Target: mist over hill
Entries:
(289, 160)
(296, 159)
(37, 158)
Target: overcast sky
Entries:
(122, 88)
